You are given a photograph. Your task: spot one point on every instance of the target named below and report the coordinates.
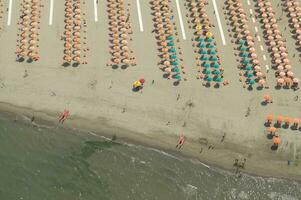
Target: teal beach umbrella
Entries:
(172, 50)
(204, 58)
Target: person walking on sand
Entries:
(63, 116)
(181, 141)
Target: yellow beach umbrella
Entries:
(209, 35)
(137, 84)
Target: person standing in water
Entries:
(63, 116)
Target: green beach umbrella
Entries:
(177, 76)
(176, 69)
(204, 58)
(206, 65)
(248, 68)
(218, 79)
(244, 55)
(170, 44)
(249, 75)
(215, 65)
(245, 61)
(209, 79)
(206, 71)
(210, 46)
(213, 58)
(174, 63)
(242, 42)
(216, 72)
(199, 39)
(251, 82)
(203, 52)
(212, 52)
(209, 39)
(172, 50)
(170, 37)
(173, 56)
(201, 45)
(243, 48)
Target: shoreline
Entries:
(48, 120)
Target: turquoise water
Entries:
(57, 164)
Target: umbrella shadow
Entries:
(114, 66)
(294, 127)
(259, 88)
(124, 66)
(29, 60)
(217, 85)
(176, 83)
(76, 64)
(66, 64)
(136, 89)
(165, 75)
(267, 124)
(270, 136)
(21, 59)
(277, 125)
(285, 126)
(274, 147)
(277, 87)
(250, 88)
(264, 103)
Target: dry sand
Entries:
(96, 95)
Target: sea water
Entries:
(58, 164)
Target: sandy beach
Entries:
(100, 98)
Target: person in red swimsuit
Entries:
(63, 116)
(181, 141)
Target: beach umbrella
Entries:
(245, 61)
(177, 76)
(215, 65)
(174, 63)
(242, 42)
(170, 44)
(251, 81)
(249, 75)
(206, 71)
(137, 84)
(201, 45)
(210, 46)
(243, 48)
(216, 72)
(269, 118)
(213, 59)
(206, 65)
(199, 39)
(142, 80)
(276, 140)
(209, 39)
(174, 56)
(272, 129)
(209, 79)
(212, 52)
(172, 50)
(176, 69)
(170, 37)
(204, 58)
(248, 67)
(203, 52)
(244, 55)
(218, 79)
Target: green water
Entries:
(57, 164)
